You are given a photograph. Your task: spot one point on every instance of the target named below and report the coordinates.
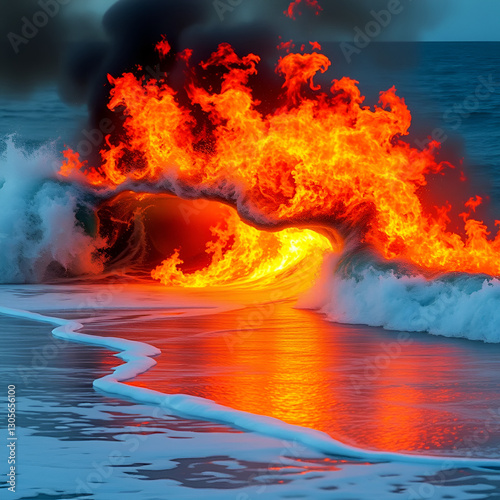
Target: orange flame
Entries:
(320, 157)
(243, 255)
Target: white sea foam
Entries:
(38, 224)
(137, 357)
(452, 305)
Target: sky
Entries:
(465, 20)
(468, 20)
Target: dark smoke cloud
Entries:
(78, 51)
(339, 18)
(36, 36)
(133, 27)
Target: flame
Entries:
(243, 255)
(207, 244)
(320, 157)
(163, 47)
(293, 8)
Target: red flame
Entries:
(288, 46)
(294, 9)
(163, 47)
(320, 156)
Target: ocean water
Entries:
(119, 439)
(429, 404)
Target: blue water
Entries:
(74, 442)
(40, 119)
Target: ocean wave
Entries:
(40, 234)
(43, 237)
(360, 289)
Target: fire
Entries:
(243, 255)
(207, 244)
(293, 8)
(321, 157)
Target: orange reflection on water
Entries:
(291, 364)
(409, 413)
(277, 370)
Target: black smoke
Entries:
(36, 36)
(52, 41)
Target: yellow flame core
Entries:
(243, 255)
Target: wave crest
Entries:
(360, 290)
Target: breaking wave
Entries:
(40, 234)
(360, 289)
(46, 233)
